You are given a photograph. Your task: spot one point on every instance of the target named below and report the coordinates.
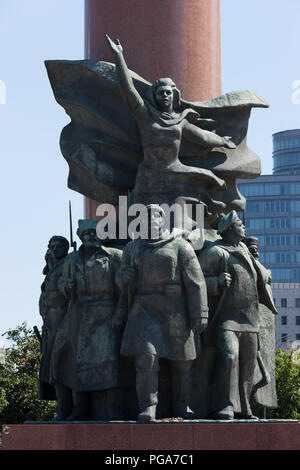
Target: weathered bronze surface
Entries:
(236, 286)
(53, 307)
(264, 390)
(152, 329)
(85, 356)
(115, 145)
(167, 310)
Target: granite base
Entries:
(166, 435)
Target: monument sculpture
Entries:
(162, 126)
(155, 317)
(86, 349)
(185, 154)
(264, 389)
(235, 285)
(53, 307)
(167, 312)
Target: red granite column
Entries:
(161, 38)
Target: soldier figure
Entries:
(264, 391)
(86, 350)
(53, 307)
(167, 304)
(235, 288)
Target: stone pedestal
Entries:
(184, 435)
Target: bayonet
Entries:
(72, 242)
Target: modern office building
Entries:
(273, 215)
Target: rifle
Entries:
(72, 242)
(38, 335)
(225, 270)
(130, 285)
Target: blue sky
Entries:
(260, 44)
(259, 52)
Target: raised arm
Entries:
(132, 97)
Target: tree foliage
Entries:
(19, 380)
(287, 375)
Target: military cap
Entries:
(227, 220)
(86, 224)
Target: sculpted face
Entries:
(254, 251)
(164, 97)
(90, 240)
(153, 220)
(57, 248)
(238, 229)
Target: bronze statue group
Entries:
(155, 330)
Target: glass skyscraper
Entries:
(272, 214)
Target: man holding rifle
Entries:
(86, 350)
(235, 288)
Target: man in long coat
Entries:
(264, 390)
(235, 287)
(167, 310)
(53, 308)
(86, 351)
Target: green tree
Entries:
(19, 380)
(287, 375)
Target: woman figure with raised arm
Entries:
(163, 123)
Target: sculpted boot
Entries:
(115, 404)
(225, 413)
(146, 387)
(81, 407)
(180, 386)
(64, 402)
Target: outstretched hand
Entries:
(114, 46)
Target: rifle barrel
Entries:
(72, 242)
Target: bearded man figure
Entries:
(86, 350)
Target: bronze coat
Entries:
(53, 307)
(240, 306)
(265, 394)
(86, 349)
(240, 310)
(168, 296)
